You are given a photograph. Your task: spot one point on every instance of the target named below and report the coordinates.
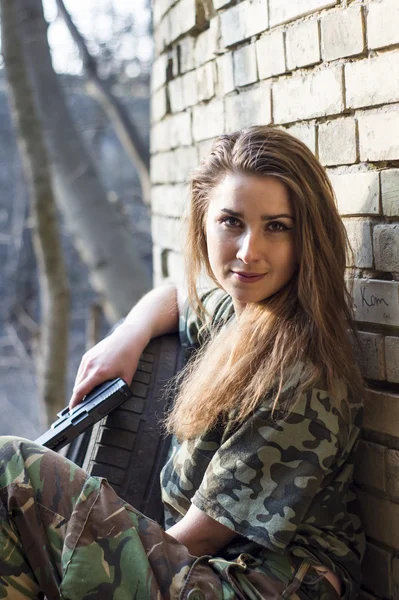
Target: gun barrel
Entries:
(101, 401)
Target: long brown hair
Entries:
(306, 324)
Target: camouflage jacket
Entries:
(283, 484)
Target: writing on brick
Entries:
(372, 300)
(376, 301)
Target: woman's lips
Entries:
(249, 277)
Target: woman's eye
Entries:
(231, 222)
(276, 226)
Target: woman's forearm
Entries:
(200, 533)
(155, 314)
(118, 354)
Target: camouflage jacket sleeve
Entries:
(263, 478)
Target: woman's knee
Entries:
(11, 445)
(10, 439)
(46, 476)
(16, 454)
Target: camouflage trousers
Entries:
(66, 535)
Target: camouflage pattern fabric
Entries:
(282, 483)
(68, 536)
(193, 331)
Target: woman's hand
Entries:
(115, 356)
(118, 355)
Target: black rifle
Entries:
(96, 405)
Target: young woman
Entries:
(257, 489)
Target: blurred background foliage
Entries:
(117, 35)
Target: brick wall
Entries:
(327, 71)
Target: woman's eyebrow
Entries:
(233, 213)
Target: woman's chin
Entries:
(247, 296)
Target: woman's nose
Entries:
(250, 249)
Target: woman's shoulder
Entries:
(195, 327)
(218, 306)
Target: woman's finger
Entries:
(84, 388)
(80, 374)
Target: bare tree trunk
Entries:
(123, 125)
(99, 232)
(93, 332)
(54, 290)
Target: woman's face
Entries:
(250, 232)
